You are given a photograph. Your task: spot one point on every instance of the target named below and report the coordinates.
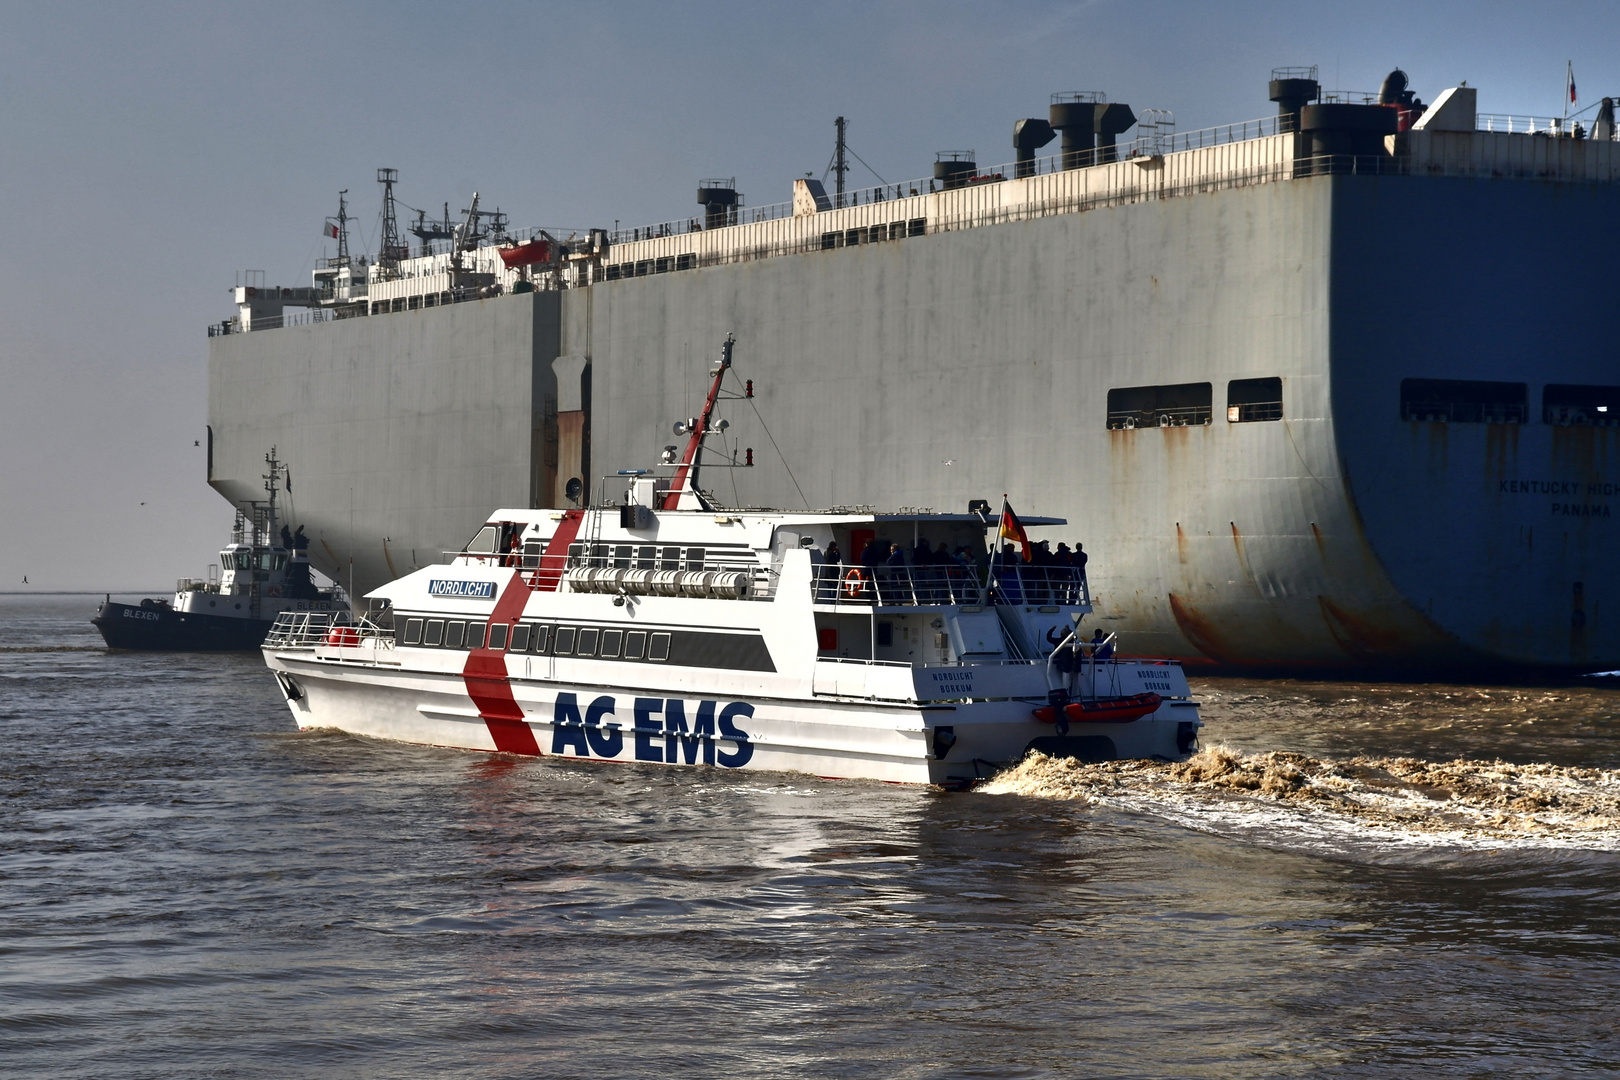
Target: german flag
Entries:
(1013, 529)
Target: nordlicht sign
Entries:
(478, 590)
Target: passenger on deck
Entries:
(829, 573)
(873, 554)
(286, 537)
(1101, 647)
(300, 542)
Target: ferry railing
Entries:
(307, 629)
(949, 584)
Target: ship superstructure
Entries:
(1329, 389)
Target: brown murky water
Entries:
(190, 888)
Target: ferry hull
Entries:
(948, 745)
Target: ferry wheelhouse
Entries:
(668, 628)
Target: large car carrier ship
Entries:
(1332, 389)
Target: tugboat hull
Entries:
(133, 626)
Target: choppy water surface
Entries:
(190, 888)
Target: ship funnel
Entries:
(720, 201)
(1603, 126)
(954, 168)
(1292, 88)
(1107, 122)
(1394, 91)
(1029, 136)
(1075, 114)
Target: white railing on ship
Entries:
(307, 629)
(843, 584)
(1526, 125)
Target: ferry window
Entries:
(266, 560)
(647, 558)
(587, 642)
(694, 558)
(475, 635)
(497, 636)
(685, 262)
(917, 226)
(663, 265)
(613, 272)
(885, 634)
(541, 634)
(454, 634)
(634, 642)
(852, 237)
(829, 240)
(897, 231)
(599, 554)
(532, 550)
(1464, 401)
(621, 556)
(658, 647)
(610, 642)
(1248, 400)
(1588, 406)
(576, 552)
(242, 560)
(565, 641)
(279, 561)
(520, 637)
(435, 632)
(1179, 405)
(670, 559)
(413, 631)
(484, 542)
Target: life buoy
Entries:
(854, 584)
(344, 636)
(273, 590)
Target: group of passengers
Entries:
(926, 573)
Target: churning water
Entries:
(1367, 881)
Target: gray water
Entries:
(189, 888)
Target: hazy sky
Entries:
(150, 151)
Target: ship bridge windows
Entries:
(1176, 405)
(1580, 406)
(484, 542)
(1249, 400)
(1464, 401)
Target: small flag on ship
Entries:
(1569, 77)
(331, 230)
(1013, 529)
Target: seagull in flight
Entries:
(25, 579)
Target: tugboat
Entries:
(671, 628)
(265, 572)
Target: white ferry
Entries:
(672, 629)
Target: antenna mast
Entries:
(392, 251)
(840, 166)
(341, 224)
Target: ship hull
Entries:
(162, 629)
(931, 369)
